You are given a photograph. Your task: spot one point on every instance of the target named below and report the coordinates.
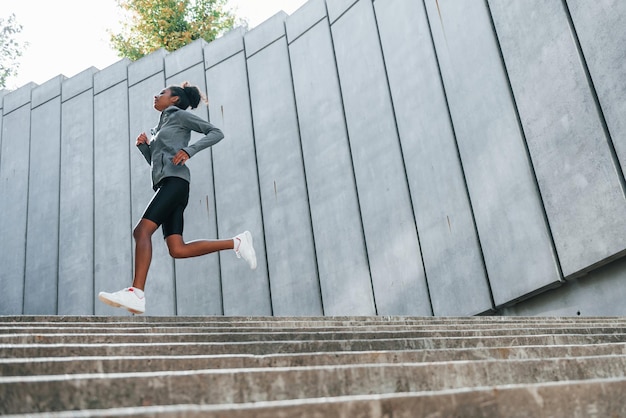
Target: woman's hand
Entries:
(142, 139)
(180, 158)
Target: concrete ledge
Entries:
(560, 399)
(279, 367)
(299, 335)
(272, 347)
(130, 364)
(269, 321)
(87, 391)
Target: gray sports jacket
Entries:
(172, 134)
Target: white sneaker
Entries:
(125, 298)
(244, 249)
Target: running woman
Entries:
(167, 152)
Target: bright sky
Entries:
(69, 36)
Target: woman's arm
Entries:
(212, 134)
(144, 146)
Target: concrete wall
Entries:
(390, 157)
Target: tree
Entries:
(169, 24)
(10, 48)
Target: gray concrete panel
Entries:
(452, 256)
(42, 237)
(224, 47)
(599, 28)
(110, 76)
(263, 35)
(338, 7)
(13, 204)
(600, 293)
(511, 224)
(17, 98)
(305, 18)
(398, 277)
(76, 206)
(47, 91)
(344, 274)
(237, 196)
(73, 184)
(184, 58)
(577, 177)
(198, 279)
(78, 84)
(160, 286)
(113, 246)
(287, 220)
(146, 67)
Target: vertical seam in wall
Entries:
(406, 176)
(30, 143)
(520, 126)
(356, 188)
(306, 185)
(258, 179)
(217, 225)
(59, 198)
(458, 152)
(596, 99)
(354, 2)
(93, 199)
(130, 181)
(173, 260)
(217, 233)
(217, 230)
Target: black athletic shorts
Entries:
(168, 204)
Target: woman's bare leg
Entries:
(181, 249)
(143, 251)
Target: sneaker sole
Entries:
(249, 238)
(117, 305)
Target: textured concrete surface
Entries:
(42, 235)
(344, 274)
(76, 205)
(393, 249)
(571, 155)
(389, 157)
(499, 367)
(283, 187)
(13, 205)
(604, 53)
(237, 195)
(453, 261)
(510, 218)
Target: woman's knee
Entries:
(144, 229)
(176, 246)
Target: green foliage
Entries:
(10, 48)
(169, 24)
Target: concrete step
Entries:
(590, 398)
(339, 366)
(310, 321)
(296, 335)
(94, 328)
(139, 362)
(155, 348)
(224, 386)
(466, 329)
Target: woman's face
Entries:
(164, 99)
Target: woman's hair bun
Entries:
(188, 95)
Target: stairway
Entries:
(236, 367)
